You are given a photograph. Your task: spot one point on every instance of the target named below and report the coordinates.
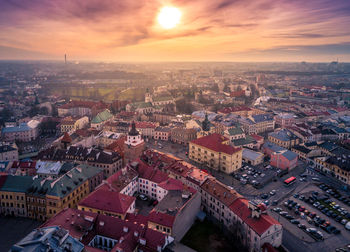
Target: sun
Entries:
(169, 17)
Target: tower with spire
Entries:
(134, 144)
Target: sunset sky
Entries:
(217, 30)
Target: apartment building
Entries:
(214, 151)
(73, 123)
(283, 138)
(104, 200)
(13, 195)
(8, 152)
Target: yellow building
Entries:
(69, 189)
(215, 152)
(13, 195)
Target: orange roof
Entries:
(66, 138)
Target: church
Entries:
(134, 144)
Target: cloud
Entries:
(89, 27)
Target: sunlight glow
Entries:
(169, 17)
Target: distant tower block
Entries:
(65, 59)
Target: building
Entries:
(182, 135)
(285, 120)
(217, 199)
(336, 166)
(254, 226)
(53, 238)
(162, 133)
(13, 195)
(69, 189)
(8, 152)
(109, 161)
(256, 124)
(269, 148)
(104, 200)
(81, 108)
(23, 168)
(24, 132)
(100, 232)
(146, 129)
(69, 124)
(134, 144)
(36, 199)
(252, 157)
(101, 118)
(283, 138)
(52, 170)
(214, 151)
(234, 133)
(284, 160)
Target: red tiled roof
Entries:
(66, 138)
(257, 137)
(214, 142)
(161, 218)
(24, 164)
(75, 221)
(106, 200)
(153, 174)
(220, 191)
(171, 184)
(237, 93)
(259, 225)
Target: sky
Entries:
(217, 30)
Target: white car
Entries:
(347, 225)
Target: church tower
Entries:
(148, 96)
(134, 144)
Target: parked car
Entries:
(277, 209)
(143, 197)
(294, 221)
(302, 226)
(273, 192)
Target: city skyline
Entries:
(227, 30)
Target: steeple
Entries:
(133, 131)
(206, 123)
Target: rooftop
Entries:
(214, 142)
(107, 200)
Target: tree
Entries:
(183, 106)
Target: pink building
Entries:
(284, 159)
(285, 120)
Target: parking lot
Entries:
(257, 176)
(315, 217)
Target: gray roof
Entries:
(290, 155)
(272, 146)
(283, 135)
(252, 155)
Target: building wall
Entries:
(13, 203)
(186, 217)
(216, 160)
(9, 155)
(56, 204)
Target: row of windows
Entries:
(10, 197)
